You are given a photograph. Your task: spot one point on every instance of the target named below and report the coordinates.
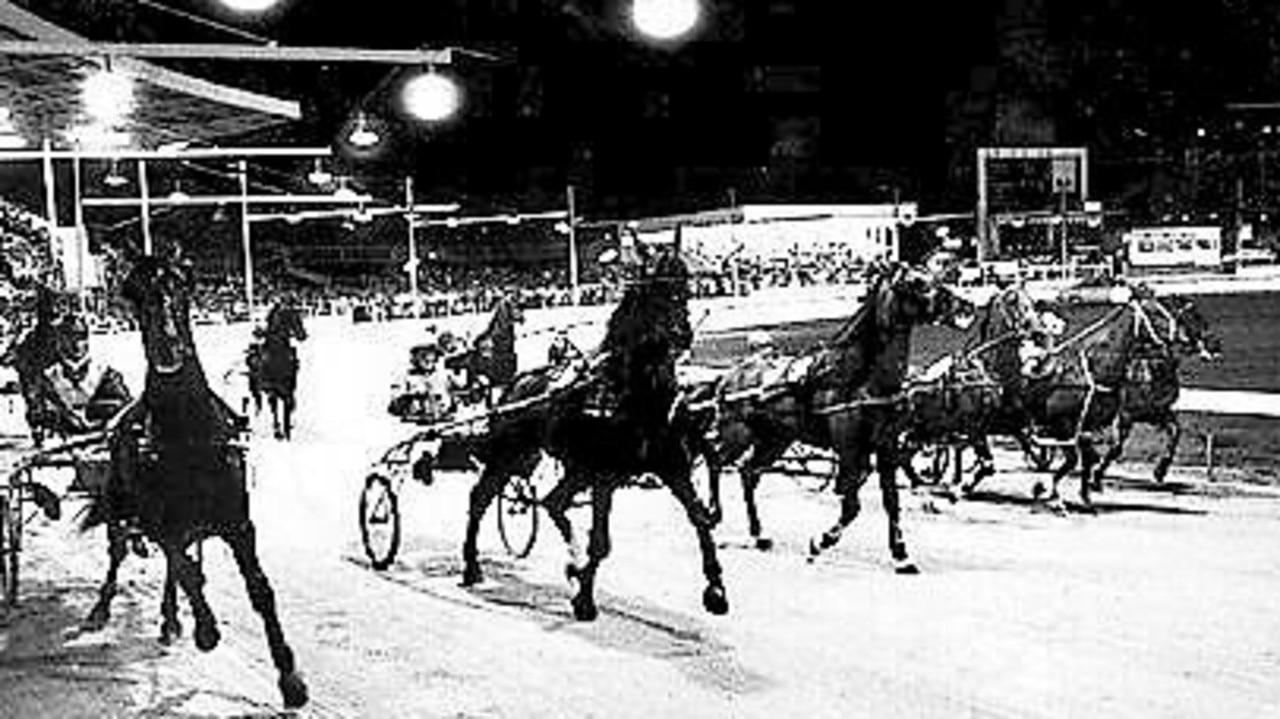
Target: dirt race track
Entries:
(1162, 605)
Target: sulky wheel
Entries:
(518, 516)
(1039, 456)
(10, 525)
(379, 521)
(928, 465)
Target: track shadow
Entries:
(51, 667)
(1101, 505)
(625, 624)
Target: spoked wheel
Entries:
(518, 516)
(9, 528)
(379, 521)
(928, 464)
(1039, 456)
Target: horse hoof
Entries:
(207, 636)
(170, 631)
(764, 544)
(471, 576)
(1037, 490)
(905, 566)
(584, 609)
(814, 550)
(96, 620)
(293, 690)
(715, 601)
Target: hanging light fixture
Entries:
(432, 96)
(362, 134)
(319, 175)
(114, 178)
(343, 191)
(178, 195)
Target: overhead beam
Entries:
(189, 153)
(226, 51)
(198, 200)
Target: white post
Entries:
(82, 237)
(411, 267)
(145, 191)
(245, 240)
(50, 201)
(574, 290)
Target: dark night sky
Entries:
(777, 99)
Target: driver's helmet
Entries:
(71, 339)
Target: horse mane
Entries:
(647, 330)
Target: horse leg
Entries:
(170, 627)
(491, 482)
(117, 549)
(1071, 457)
(887, 468)
(714, 599)
(286, 423)
(705, 448)
(1124, 425)
(1088, 472)
(274, 402)
(852, 474)
(762, 457)
(1168, 423)
(244, 547)
(190, 577)
(557, 504)
(986, 464)
(598, 547)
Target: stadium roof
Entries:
(44, 98)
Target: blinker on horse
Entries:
(184, 479)
(845, 396)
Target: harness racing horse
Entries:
(963, 404)
(1076, 391)
(845, 396)
(1153, 385)
(615, 419)
(277, 364)
(492, 355)
(188, 483)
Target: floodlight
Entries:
(665, 20)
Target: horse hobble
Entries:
(183, 480)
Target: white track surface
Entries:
(1161, 606)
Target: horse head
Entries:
(1190, 329)
(1013, 314)
(160, 292)
(904, 296)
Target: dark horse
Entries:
(277, 365)
(1153, 385)
(962, 405)
(491, 361)
(616, 420)
(183, 480)
(845, 396)
(1073, 395)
